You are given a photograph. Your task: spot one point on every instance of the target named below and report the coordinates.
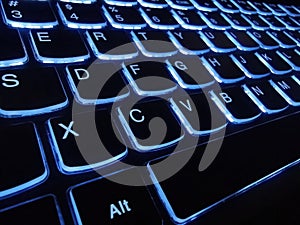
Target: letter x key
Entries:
(81, 150)
(68, 130)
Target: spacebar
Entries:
(244, 160)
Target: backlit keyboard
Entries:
(148, 112)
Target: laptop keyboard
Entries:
(96, 89)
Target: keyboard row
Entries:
(249, 7)
(220, 15)
(68, 46)
(21, 97)
(125, 206)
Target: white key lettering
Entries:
(10, 80)
(137, 120)
(43, 36)
(68, 130)
(187, 105)
(82, 74)
(119, 209)
(225, 97)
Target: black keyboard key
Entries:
(153, 3)
(244, 7)
(189, 19)
(218, 41)
(113, 203)
(291, 56)
(282, 39)
(236, 21)
(124, 17)
(273, 22)
(188, 42)
(235, 104)
(266, 97)
(27, 14)
(58, 46)
(232, 172)
(274, 62)
(21, 148)
(293, 35)
(154, 43)
(85, 141)
(84, 16)
(12, 51)
(226, 6)
(251, 65)
(288, 22)
(97, 83)
(149, 78)
(260, 8)
(276, 10)
(111, 44)
(198, 114)
(288, 88)
(223, 68)
(180, 4)
(159, 18)
(290, 10)
(263, 39)
(189, 72)
(44, 207)
(32, 91)
(256, 21)
(296, 19)
(150, 129)
(206, 5)
(215, 20)
(242, 40)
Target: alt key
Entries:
(111, 201)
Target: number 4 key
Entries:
(85, 16)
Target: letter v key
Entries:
(187, 106)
